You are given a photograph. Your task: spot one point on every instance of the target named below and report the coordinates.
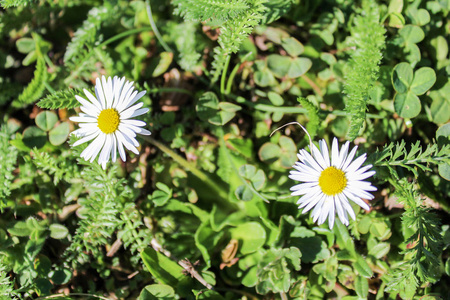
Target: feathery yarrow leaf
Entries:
(427, 242)
(369, 41)
(215, 10)
(234, 32)
(36, 87)
(8, 159)
(416, 158)
(313, 114)
(86, 35)
(61, 99)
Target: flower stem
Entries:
(154, 28)
(224, 75)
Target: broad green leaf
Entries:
(275, 98)
(45, 120)
(293, 47)
(402, 77)
(424, 79)
(407, 105)
(251, 236)
(162, 268)
(362, 267)
(299, 66)
(58, 135)
(361, 287)
(25, 45)
(282, 66)
(58, 231)
(161, 195)
(380, 250)
(269, 152)
(443, 138)
(61, 276)
(206, 240)
(157, 291)
(20, 229)
(412, 34)
(34, 137)
(440, 108)
(364, 225)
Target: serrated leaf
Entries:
(61, 99)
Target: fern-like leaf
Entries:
(427, 241)
(393, 155)
(369, 41)
(203, 10)
(86, 35)
(36, 87)
(8, 159)
(61, 99)
(313, 115)
(184, 36)
(234, 32)
(6, 286)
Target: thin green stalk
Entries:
(222, 195)
(123, 34)
(233, 74)
(154, 28)
(224, 75)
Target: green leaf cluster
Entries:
(369, 41)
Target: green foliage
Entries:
(414, 159)
(8, 159)
(314, 121)
(36, 87)
(236, 18)
(369, 41)
(6, 286)
(203, 10)
(205, 211)
(86, 35)
(184, 36)
(12, 3)
(422, 257)
(61, 99)
(58, 167)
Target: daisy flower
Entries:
(328, 184)
(106, 120)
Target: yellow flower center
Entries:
(332, 181)
(108, 120)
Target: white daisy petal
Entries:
(327, 184)
(86, 139)
(324, 150)
(99, 93)
(335, 153)
(92, 99)
(105, 120)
